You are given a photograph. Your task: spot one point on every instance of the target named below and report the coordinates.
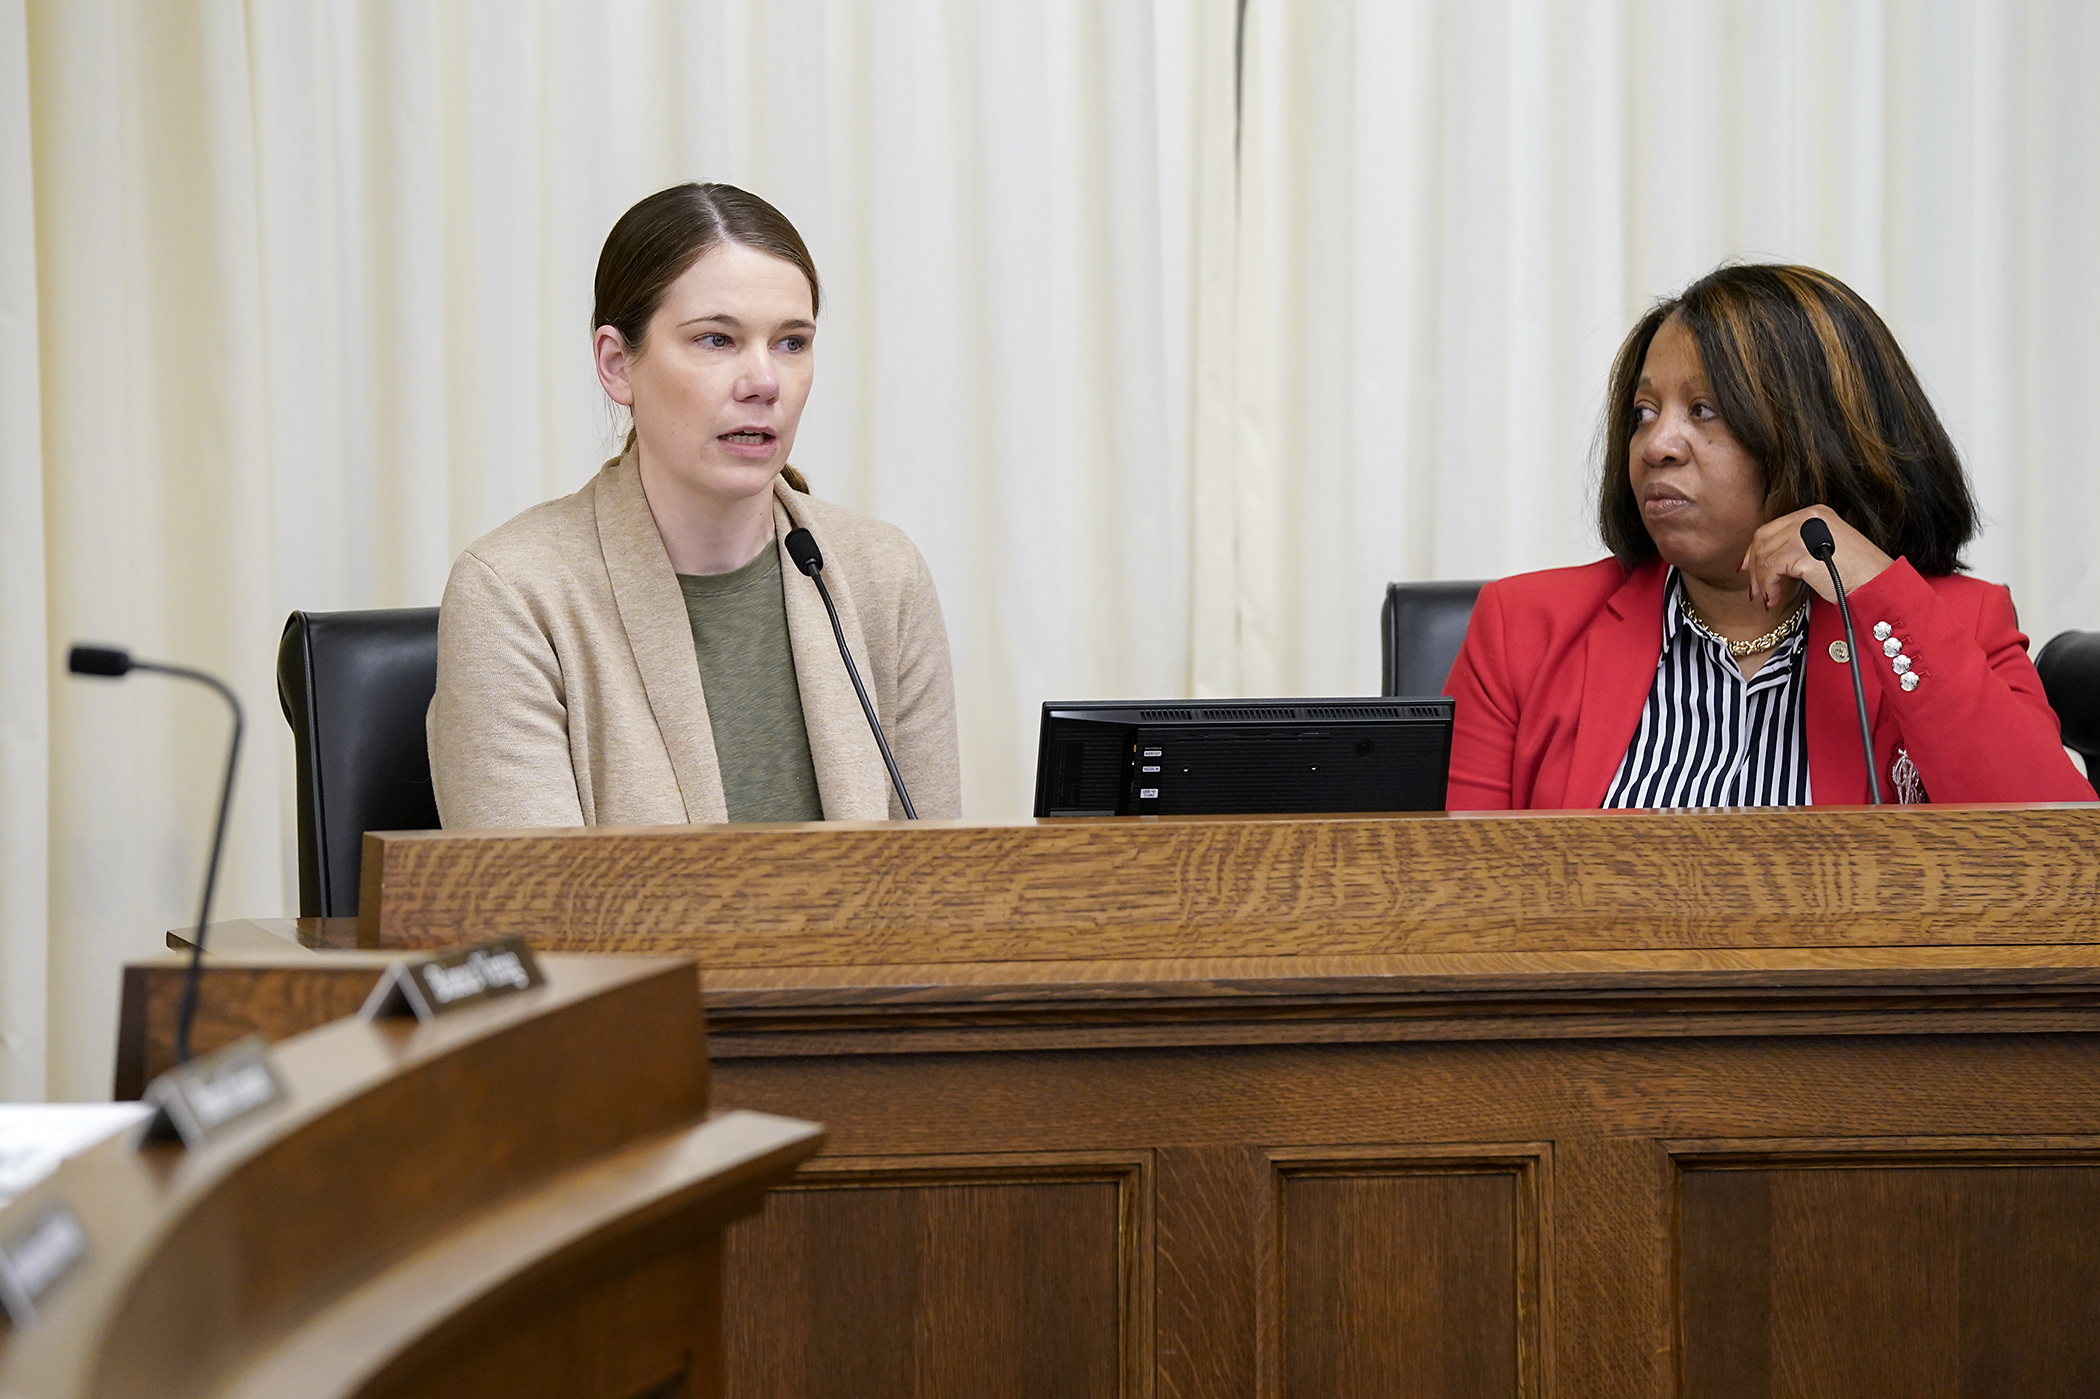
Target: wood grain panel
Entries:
(1212, 1205)
(278, 999)
(669, 1305)
(1612, 1198)
(1910, 1271)
(1026, 1277)
(1405, 1278)
(1215, 1001)
(876, 893)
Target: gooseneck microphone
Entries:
(114, 663)
(1816, 535)
(802, 548)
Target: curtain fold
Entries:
(24, 717)
(157, 488)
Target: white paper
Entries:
(35, 1137)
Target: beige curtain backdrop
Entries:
(1450, 214)
(1170, 329)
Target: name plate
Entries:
(434, 986)
(198, 1100)
(36, 1258)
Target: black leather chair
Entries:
(354, 686)
(2070, 668)
(1421, 627)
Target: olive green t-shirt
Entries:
(740, 633)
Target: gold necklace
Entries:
(1757, 647)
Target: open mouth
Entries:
(753, 444)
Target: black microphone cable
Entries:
(802, 548)
(114, 663)
(1816, 535)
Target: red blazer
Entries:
(1556, 669)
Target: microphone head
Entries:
(802, 548)
(1816, 535)
(99, 660)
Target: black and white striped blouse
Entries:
(1707, 736)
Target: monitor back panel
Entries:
(1243, 757)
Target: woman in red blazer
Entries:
(1762, 396)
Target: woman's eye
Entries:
(1643, 413)
(794, 345)
(1704, 410)
(715, 340)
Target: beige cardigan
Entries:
(568, 693)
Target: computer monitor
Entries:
(1242, 757)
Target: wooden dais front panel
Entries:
(1492, 1105)
(999, 1278)
(1862, 1272)
(1633, 1217)
(1407, 1275)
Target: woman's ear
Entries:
(609, 348)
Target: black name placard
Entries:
(433, 986)
(197, 1100)
(36, 1258)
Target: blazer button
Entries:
(1900, 664)
(1839, 652)
(1910, 681)
(1882, 631)
(1892, 647)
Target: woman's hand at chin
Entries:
(1777, 554)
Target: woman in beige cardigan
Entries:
(643, 652)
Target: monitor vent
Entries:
(1230, 715)
(1167, 716)
(1362, 711)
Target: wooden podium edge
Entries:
(592, 1219)
(132, 1200)
(753, 897)
(937, 1008)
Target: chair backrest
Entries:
(354, 686)
(1421, 627)
(2070, 669)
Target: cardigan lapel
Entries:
(660, 634)
(1837, 773)
(1619, 656)
(851, 779)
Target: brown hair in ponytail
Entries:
(656, 241)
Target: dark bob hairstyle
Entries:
(1817, 391)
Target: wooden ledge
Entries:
(882, 893)
(1072, 1005)
(500, 1262)
(771, 1012)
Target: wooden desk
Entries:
(1737, 1103)
(523, 1198)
